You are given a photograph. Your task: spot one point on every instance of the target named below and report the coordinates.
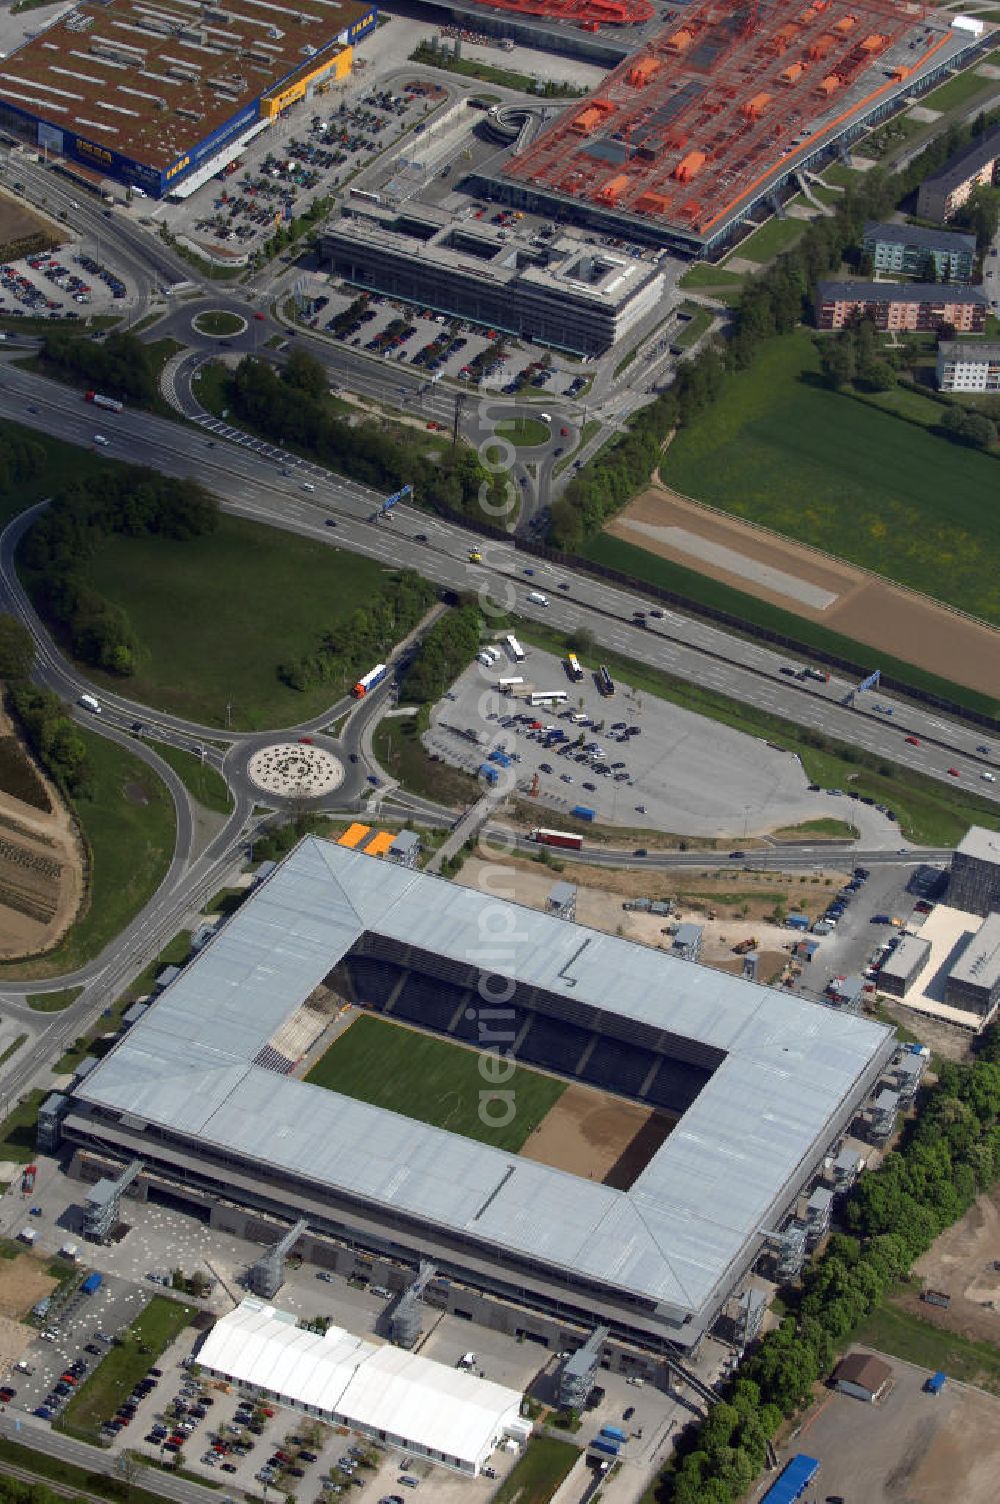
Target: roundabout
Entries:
(295, 770)
(219, 323)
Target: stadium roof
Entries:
(378, 1388)
(788, 1068)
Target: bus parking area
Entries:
(634, 760)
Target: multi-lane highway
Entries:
(254, 486)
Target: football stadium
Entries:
(154, 95)
(569, 1127)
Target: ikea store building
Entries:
(158, 96)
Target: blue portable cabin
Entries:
(794, 1480)
(613, 1433)
(936, 1382)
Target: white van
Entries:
(537, 598)
(89, 703)
(307, 485)
(100, 439)
(545, 417)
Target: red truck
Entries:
(28, 1179)
(110, 404)
(563, 838)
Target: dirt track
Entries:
(598, 1136)
(960, 1262)
(909, 626)
(41, 871)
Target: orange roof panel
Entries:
(353, 835)
(379, 843)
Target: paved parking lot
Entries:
(635, 760)
(302, 158)
(911, 1448)
(71, 282)
(422, 339)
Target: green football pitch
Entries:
(435, 1081)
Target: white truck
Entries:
(537, 598)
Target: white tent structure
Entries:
(444, 1414)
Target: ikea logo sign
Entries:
(364, 24)
(178, 167)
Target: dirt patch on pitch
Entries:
(869, 610)
(598, 1136)
(23, 1282)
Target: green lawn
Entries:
(218, 321)
(435, 1081)
(99, 1396)
(17, 1131)
(832, 829)
(200, 779)
(930, 812)
(43, 1464)
(215, 617)
(958, 91)
(774, 236)
(840, 173)
(53, 1002)
(701, 276)
(781, 449)
(64, 462)
(906, 1336)
(538, 1474)
(399, 750)
(12, 1048)
(905, 403)
(695, 327)
(523, 433)
(639, 564)
(128, 821)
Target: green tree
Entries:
(17, 648)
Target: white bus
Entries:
(505, 686)
(548, 697)
(514, 648)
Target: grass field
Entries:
(218, 321)
(695, 327)
(523, 433)
(781, 449)
(200, 779)
(930, 812)
(773, 237)
(64, 462)
(17, 1131)
(128, 820)
(841, 174)
(538, 1474)
(432, 1081)
(958, 91)
(399, 750)
(96, 1400)
(701, 275)
(53, 1002)
(640, 564)
(216, 616)
(904, 1335)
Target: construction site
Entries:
(723, 110)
